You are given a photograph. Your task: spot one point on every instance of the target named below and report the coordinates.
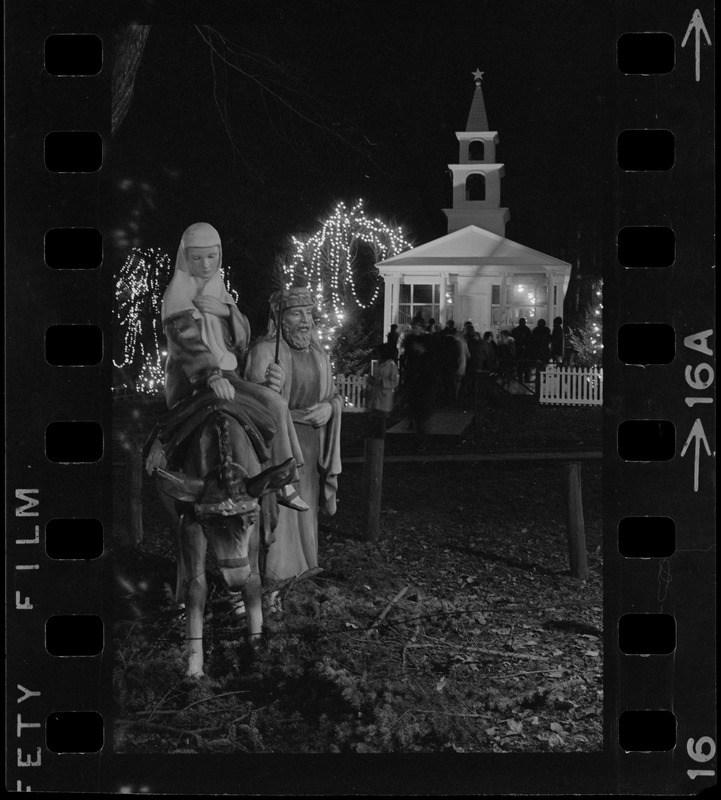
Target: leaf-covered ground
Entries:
(461, 630)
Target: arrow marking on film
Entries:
(697, 435)
(697, 26)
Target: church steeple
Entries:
(477, 117)
(477, 176)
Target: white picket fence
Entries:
(571, 386)
(351, 389)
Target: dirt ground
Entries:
(460, 630)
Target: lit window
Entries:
(418, 298)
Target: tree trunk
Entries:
(128, 54)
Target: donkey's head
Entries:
(229, 492)
(228, 513)
(226, 490)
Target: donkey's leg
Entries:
(181, 577)
(181, 572)
(254, 609)
(193, 546)
(247, 580)
(254, 590)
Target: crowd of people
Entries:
(438, 365)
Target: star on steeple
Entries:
(477, 119)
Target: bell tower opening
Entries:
(476, 187)
(476, 151)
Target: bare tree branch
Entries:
(128, 55)
(292, 94)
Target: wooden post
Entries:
(575, 529)
(373, 479)
(135, 492)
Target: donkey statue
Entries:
(212, 491)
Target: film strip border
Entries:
(658, 438)
(659, 354)
(58, 378)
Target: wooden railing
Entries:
(571, 386)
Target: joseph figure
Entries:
(306, 382)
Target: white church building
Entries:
(474, 272)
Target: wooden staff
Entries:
(277, 329)
(575, 528)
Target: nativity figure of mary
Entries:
(208, 338)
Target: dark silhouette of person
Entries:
(487, 367)
(449, 357)
(507, 356)
(419, 375)
(557, 340)
(473, 359)
(381, 388)
(488, 353)
(523, 339)
(542, 343)
(475, 350)
(392, 340)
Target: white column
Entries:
(502, 308)
(551, 310)
(395, 299)
(484, 312)
(387, 304)
(444, 288)
(557, 284)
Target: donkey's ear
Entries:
(271, 479)
(180, 486)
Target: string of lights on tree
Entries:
(587, 339)
(325, 263)
(596, 322)
(139, 290)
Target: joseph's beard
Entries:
(298, 340)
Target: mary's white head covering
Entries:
(185, 287)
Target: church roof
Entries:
(477, 117)
(472, 246)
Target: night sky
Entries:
(381, 93)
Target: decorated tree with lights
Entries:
(338, 264)
(140, 342)
(138, 293)
(586, 339)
